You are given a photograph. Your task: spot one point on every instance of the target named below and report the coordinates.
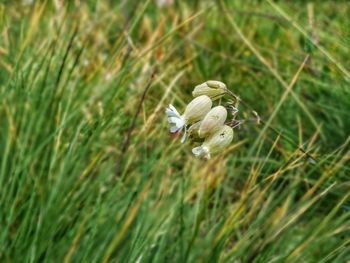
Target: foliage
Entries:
(80, 183)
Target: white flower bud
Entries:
(213, 121)
(215, 84)
(215, 142)
(197, 109)
(212, 88)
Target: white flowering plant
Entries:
(200, 120)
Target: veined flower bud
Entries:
(212, 88)
(213, 121)
(197, 109)
(214, 143)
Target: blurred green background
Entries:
(90, 173)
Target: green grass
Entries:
(80, 183)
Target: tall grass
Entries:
(89, 173)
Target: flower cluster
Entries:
(203, 121)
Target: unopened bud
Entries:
(214, 143)
(215, 84)
(213, 121)
(197, 109)
(212, 88)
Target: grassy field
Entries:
(90, 173)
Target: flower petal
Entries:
(170, 113)
(174, 129)
(201, 152)
(173, 119)
(174, 109)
